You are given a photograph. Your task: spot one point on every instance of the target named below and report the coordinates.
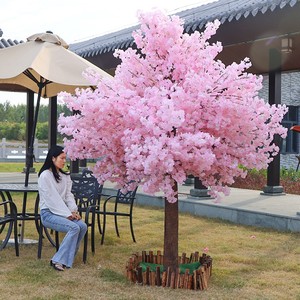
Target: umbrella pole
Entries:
(29, 156)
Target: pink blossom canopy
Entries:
(172, 110)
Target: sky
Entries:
(75, 20)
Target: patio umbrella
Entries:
(295, 128)
(44, 65)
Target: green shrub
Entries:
(12, 131)
(42, 131)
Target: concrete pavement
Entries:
(248, 207)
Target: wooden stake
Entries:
(128, 275)
(202, 258)
(182, 261)
(159, 257)
(164, 279)
(186, 278)
(172, 281)
(195, 279)
(144, 278)
(158, 279)
(152, 278)
(200, 276)
(139, 275)
(148, 276)
(203, 278)
(139, 259)
(151, 257)
(181, 281)
(190, 282)
(192, 257)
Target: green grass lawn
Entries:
(248, 262)
(18, 166)
(15, 167)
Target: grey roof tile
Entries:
(264, 9)
(4, 43)
(195, 19)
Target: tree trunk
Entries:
(171, 233)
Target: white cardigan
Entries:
(56, 196)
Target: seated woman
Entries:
(58, 207)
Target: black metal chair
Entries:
(119, 200)
(8, 216)
(86, 190)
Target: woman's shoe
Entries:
(58, 266)
(51, 264)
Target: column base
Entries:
(273, 190)
(31, 170)
(200, 193)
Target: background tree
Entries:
(173, 110)
(13, 121)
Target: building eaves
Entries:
(106, 43)
(194, 19)
(228, 10)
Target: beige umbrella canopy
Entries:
(44, 65)
(44, 55)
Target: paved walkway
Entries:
(242, 206)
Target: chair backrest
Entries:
(86, 173)
(126, 198)
(85, 191)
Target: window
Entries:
(290, 143)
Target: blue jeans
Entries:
(75, 231)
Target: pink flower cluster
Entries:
(172, 110)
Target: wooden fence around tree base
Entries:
(196, 280)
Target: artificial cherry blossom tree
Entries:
(172, 110)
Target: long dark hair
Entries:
(54, 151)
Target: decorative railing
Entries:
(15, 151)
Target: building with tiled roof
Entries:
(243, 22)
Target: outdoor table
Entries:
(6, 193)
